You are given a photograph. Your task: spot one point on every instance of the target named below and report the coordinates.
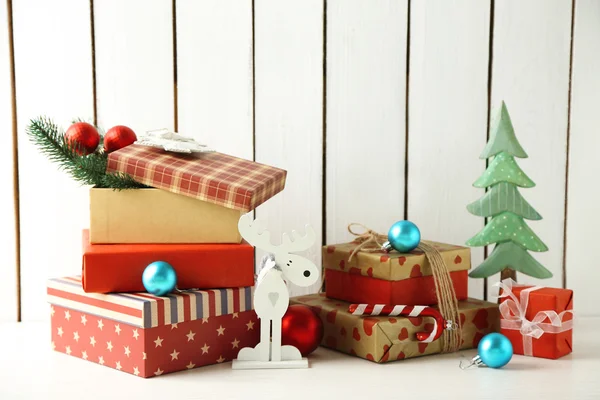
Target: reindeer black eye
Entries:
(307, 273)
(290, 261)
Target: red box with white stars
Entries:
(147, 336)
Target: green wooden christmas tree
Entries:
(505, 206)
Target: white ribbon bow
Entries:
(172, 141)
(513, 316)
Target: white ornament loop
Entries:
(172, 141)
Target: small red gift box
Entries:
(377, 277)
(146, 335)
(538, 321)
(118, 267)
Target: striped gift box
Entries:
(145, 310)
(217, 178)
(146, 335)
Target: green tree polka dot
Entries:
(503, 169)
(505, 206)
(508, 226)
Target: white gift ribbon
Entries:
(513, 316)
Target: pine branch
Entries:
(121, 181)
(85, 169)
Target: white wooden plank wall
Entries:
(366, 82)
(8, 292)
(582, 265)
(53, 78)
(531, 74)
(250, 79)
(134, 64)
(288, 46)
(447, 101)
(214, 73)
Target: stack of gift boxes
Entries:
(379, 277)
(188, 218)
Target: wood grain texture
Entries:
(134, 64)
(581, 260)
(8, 292)
(447, 119)
(214, 77)
(53, 78)
(531, 74)
(366, 84)
(289, 115)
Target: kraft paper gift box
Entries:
(384, 339)
(201, 197)
(391, 278)
(119, 267)
(538, 321)
(145, 335)
(157, 216)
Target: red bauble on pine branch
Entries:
(82, 137)
(301, 328)
(118, 137)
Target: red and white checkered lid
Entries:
(213, 177)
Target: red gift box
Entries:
(146, 335)
(119, 267)
(217, 178)
(538, 321)
(355, 288)
(378, 277)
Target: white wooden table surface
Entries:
(29, 369)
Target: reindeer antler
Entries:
(250, 232)
(300, 242)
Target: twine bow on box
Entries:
(371, 241)
(513, 313)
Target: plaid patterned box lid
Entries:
(213, 177)
(145, 310)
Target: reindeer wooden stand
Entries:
(271, 296)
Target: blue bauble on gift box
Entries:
(403, 236)
(159, 278)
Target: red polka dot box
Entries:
(147, 336)
(384, 339)
(391, 278)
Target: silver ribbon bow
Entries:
(513, 316)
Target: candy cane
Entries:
(407, 311)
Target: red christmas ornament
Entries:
(301, 328)
(83, 137)
(118, 137)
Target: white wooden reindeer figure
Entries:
(271, 296)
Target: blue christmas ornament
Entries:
(159, 278)
(495, 351)
(403, 236)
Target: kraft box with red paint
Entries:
(391, 278)
(383, 339)
(147, 336)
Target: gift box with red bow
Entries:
(537, 320)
